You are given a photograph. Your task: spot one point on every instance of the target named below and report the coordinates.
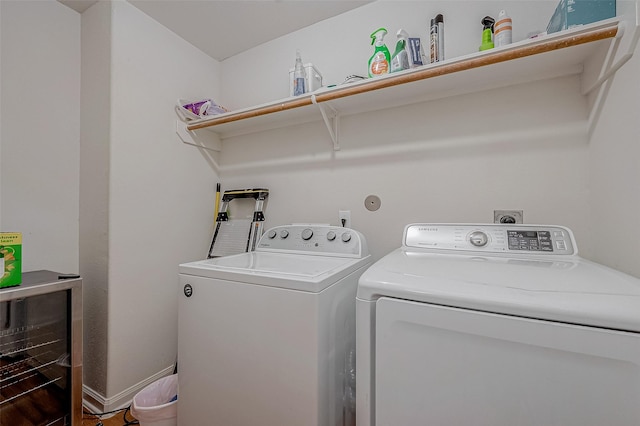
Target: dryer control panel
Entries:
(492, 238)
(322, 240)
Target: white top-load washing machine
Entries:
(268, 337)
(496, 325)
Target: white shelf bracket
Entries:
(331, 120)
(206, 140)
(612, 69)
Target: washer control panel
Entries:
(492, 238)
(314, 239)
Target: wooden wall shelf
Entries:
(545, 57)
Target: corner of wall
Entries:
(94, 188)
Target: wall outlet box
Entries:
(572, 13)
(314, 79)
(507, 216)
(10, 259)
(345, 218)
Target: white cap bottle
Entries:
(502, 30)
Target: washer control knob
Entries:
(346, 237)
(307, 234)
(284, 234)
(478, 239)
(272, 234)
(331, 235)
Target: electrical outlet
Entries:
(345, 218)
(507, 216)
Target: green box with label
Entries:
(572, 13)
(10, 259)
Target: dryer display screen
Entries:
(530, 240)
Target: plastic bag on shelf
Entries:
(194, 110)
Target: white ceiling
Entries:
(223, 28)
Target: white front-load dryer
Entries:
(268, 337)
(496, 325)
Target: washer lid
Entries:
(572, 290)
(310, 273)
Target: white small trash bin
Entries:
(156, 404)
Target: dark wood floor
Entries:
(116, 420)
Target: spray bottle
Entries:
(400, 58)
(487, 32)
(379, 61)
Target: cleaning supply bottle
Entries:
(436, 39)
(487, 32)
(502, 30)
(299, 77)
(379, 61)
(400, 58)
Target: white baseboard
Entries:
(97, 403)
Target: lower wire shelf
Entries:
(34, 372)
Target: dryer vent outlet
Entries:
(507, 216)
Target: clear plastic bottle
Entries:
(299, 77)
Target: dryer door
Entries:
(439, 365)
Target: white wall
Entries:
(94, 194)
(442, 161)
(40, 131)
(147, 199)
(161, 192)
(1, 84)
(451, 160)
(341, 46)
(614, 171)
